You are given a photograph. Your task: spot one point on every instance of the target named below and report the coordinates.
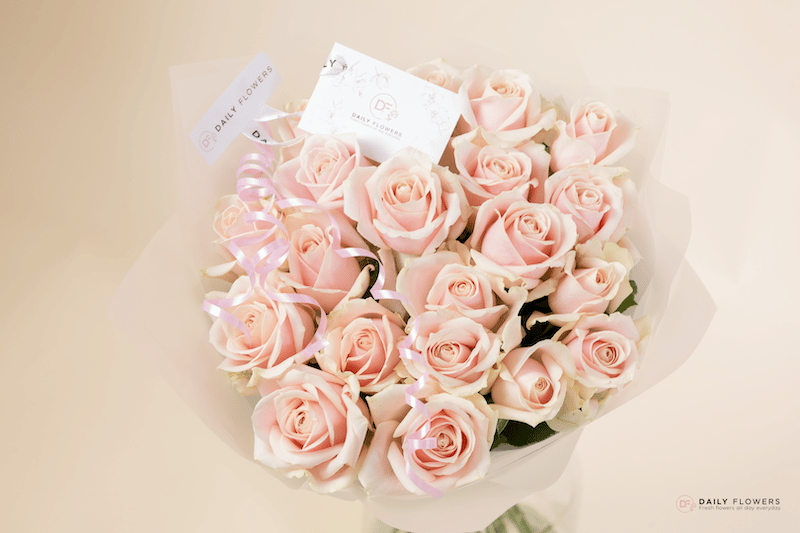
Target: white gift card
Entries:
(388, 109)
(235, 108)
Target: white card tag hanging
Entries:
(235, 109)
(388, 109)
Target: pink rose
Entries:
(278, 332)
(532, 382)
(407, 203)
(486, 170)
(581, 405)
(594, 135)
(315, 269)
(317, 168)
(286, 128)
(592, 280)
(463, 429)
(459, 354)
(503, 102)
(362, 339)
(230, 224)
(520, 241)
(599, 199)
(446, 280)
(311, 424)
(439, 72)
(604, 349)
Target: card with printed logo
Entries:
(241, 102)
(388, 109)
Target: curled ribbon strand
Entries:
(252, 186)
(266, 259)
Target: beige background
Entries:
(94, 440)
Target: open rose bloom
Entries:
(513, 262)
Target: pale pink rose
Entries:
(594, 135)
(362, 339)
(463, 429)
(439, 72)
(446, 280)
(519, 240)
(286, 129)
(315, 269)
(503, 102)
(581, 405)
(486, 169)
(407, 204)
(459, 354)
(604, 349)
(278, 331)
(230, 223)
(532, 382)
(592, 282)
(311, 424)
(317, 168)
(599, 199)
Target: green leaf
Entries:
(519, 434)
(541, 305)
(498, 437)
(539, 332)
(518, 519)
(501, 425)
(630, 301)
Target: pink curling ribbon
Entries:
(275, 253)
(252, 188)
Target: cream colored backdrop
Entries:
(94, 440)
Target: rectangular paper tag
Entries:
(235, 108)
(387, 108)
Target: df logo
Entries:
(383, 107)
(685, 504)
(208, 140)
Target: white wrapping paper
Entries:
(158, 304)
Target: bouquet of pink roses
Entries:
(401, 318)
(409, 325)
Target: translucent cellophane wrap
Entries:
(159, 303)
